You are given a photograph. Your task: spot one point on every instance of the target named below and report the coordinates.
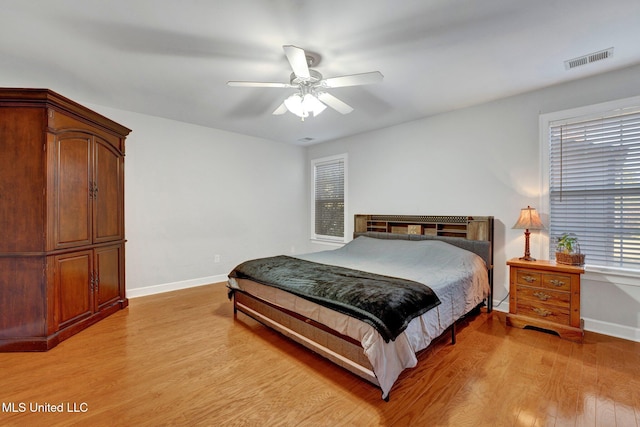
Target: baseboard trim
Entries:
(593, 325)
(168, 287)
(612, 329)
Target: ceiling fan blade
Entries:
(280, 110)
(354, 79)
(298, 61)
(259, 84)
(334, 103)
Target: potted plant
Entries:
(568, 250)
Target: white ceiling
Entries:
(173, 58)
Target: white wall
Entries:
(485, 160)
(192, 193)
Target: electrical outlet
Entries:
(216, 258)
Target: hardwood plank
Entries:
(180, 358)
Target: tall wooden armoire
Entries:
(61, 218)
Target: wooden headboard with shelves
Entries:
(442, 227)
(466, 227)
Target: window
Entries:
(594, 185)
(329, 198)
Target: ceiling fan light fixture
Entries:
(294, 104)
(302, 106)
(311, 103)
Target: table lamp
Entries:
(529, 220)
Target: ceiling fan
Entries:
(311, 97)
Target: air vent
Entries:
(306, 139)
(588, 59)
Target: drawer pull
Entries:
(556, 282)
(542, 312)
(541, 296)
(529, 279)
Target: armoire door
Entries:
(73, 181)
(107, 193)
(109, 273)
(73, 284)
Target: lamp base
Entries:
(527, 254)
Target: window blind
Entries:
(329, 198)
(594, 186)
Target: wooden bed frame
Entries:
(341, 349)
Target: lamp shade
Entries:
(529, 220)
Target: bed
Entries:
(449, 257)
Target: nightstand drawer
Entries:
(543, 295)
(529, 278)
(556, 281)
(543, 312)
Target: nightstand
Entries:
(545, 295)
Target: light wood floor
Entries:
(179, 358)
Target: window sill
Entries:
(328, 242)
(611, 275)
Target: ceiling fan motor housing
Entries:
(314, 77)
